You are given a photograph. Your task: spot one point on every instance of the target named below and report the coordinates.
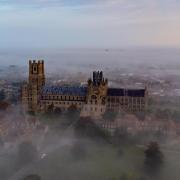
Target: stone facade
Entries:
(31, 91)
(92, 100)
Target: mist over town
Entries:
(89, 90)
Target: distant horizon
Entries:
(117, 57)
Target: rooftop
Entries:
(126, 92)
(65, 90)
(82, 91)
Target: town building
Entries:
(93, 99)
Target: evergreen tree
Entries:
(153, 159)
(26, 153)
(32, 177)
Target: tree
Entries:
(79, 150)
(58, 111)
(140, 115)
(86, 127)
(153, 159)
(50, 109)
(72, 114)
(27, 153)
(110, 115)
(49, 113)
(119, 152)
(32, 177)
(73, 111)
(141, 178)
(123, 177)
(121, 136)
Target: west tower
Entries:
(32, 90)
(36, 74)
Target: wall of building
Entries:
(62, 101)
(126, 103)
(31, 90)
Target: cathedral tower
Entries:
(31, 91)
(36, 82)
(96, 95)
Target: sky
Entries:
(89, 23)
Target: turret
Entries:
(98, 78)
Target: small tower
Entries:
(31, 91)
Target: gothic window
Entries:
(35, 69)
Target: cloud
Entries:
(43, 3)
(60, 3)
(89, 22)
(79, 2)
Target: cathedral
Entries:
(94, 99)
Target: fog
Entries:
(52, 146)
(57, 147)
(96, 58)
